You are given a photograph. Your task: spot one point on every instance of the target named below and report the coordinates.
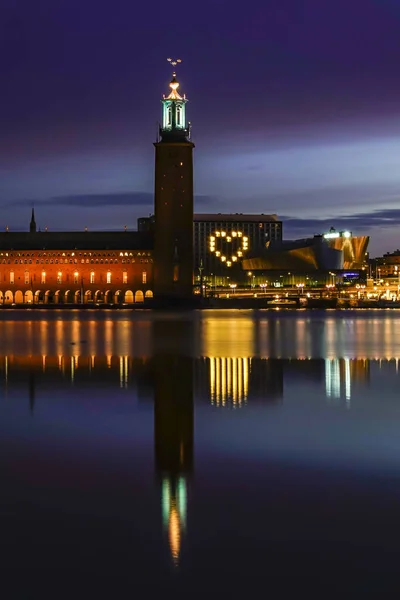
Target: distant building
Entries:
(387, 265)
(335, 251)
(222, 241)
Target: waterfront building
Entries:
(75, 267)
(222, 241)
(325, 258)
(387, 265)
(39, 266)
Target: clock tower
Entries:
(173, 201)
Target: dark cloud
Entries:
(145, 199)
(358, 223)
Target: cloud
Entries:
(359, 223)
(96, 200)
(106, 200)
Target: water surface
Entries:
(231, 451)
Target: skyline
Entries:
(294, 111)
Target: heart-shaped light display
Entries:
(228, 246)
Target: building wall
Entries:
(259, 229)
(109, 276)
(173, 200)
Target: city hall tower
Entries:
(173, 201)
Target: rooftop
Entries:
(235, 217)
(76, 240)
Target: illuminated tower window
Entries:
(91, 276)
(108, 276)
(43, 278)
(26, 277)
(11, 277)
(124, 277)
(144, 277)
(59, 277)
(76, 277)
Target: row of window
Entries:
(77, 278)
(75, 261)
(68, 254)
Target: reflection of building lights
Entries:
(332, 378)
(229, 380)
(347, 381)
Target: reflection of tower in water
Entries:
(173, 441)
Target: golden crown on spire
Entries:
(174, 84)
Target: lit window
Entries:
(59, 277)
(91, 276)
(26, 277)
(11, 277)
(76, 277)
(124, 277)
(43, 278)
(144, 277)
(108, 276)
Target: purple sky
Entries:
(294, 105)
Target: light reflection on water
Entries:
(92, 407)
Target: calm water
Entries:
(209, 452)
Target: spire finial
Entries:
(32, 226)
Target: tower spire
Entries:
(174, 121)
(32, 225)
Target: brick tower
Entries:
(173, 202)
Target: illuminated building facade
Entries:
(115, 267)
(75, 267)
(387, 265)
(221, 241)
(333, 251)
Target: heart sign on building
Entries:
(228, 246)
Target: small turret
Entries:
(32, 225)
(174, 127)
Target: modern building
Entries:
(222, 241)
(334, 253)
(115, 267)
